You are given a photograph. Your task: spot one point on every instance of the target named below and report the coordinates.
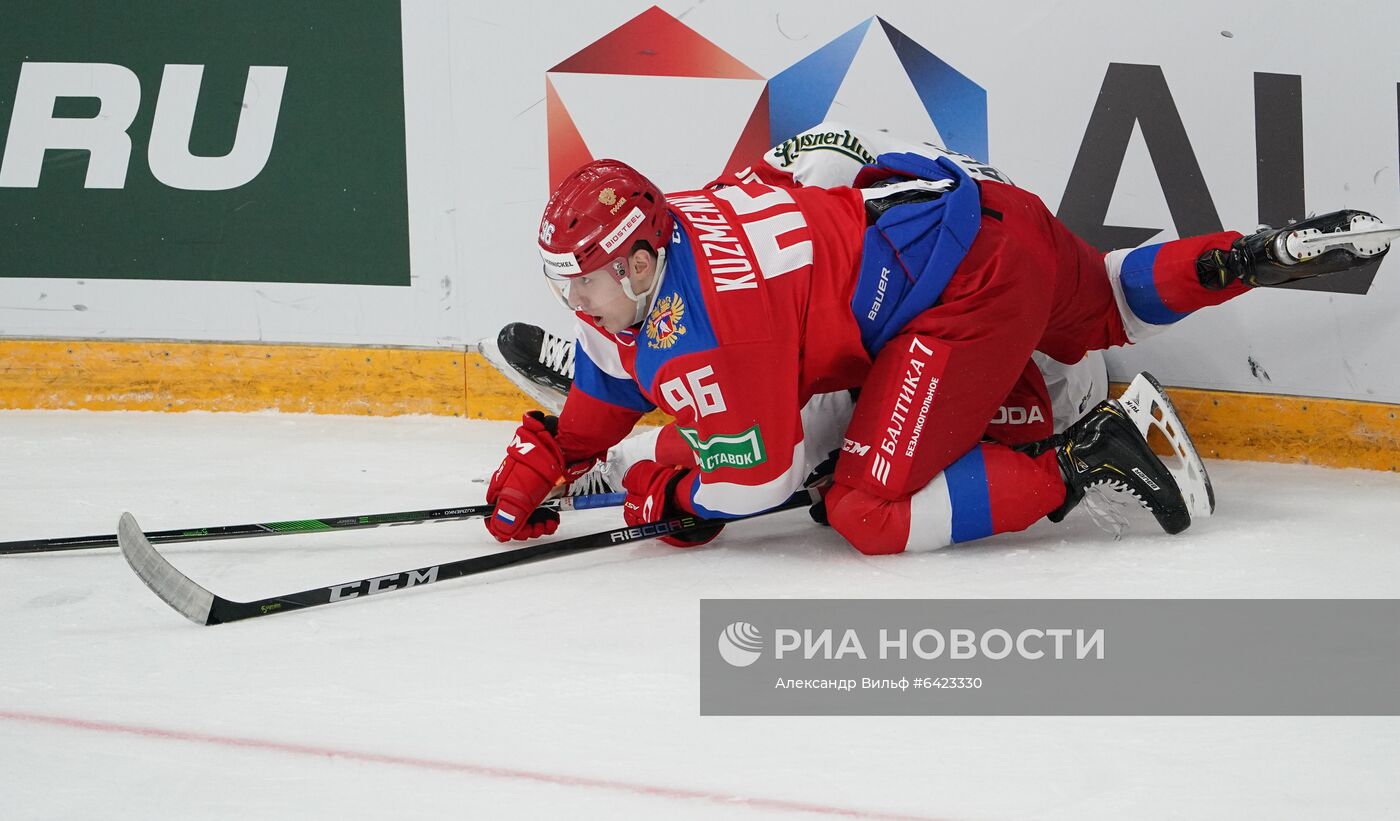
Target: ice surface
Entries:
(569, 688)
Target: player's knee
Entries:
(873, 525)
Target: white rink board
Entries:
(477, 165)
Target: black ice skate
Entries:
(1328, 244)
(536, 361)
(1146, 403)
(1106, 448)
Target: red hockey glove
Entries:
(532, 467)
(652, 497)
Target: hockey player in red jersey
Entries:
(1049, 396)
(928, 289)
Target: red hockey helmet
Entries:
(594, 217)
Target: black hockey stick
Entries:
(202, 607)
(204, 534)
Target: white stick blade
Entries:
(173, 587)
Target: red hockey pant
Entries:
(1026, 284)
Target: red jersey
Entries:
(752, 318)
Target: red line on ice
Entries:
(485, 770)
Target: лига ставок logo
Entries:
(740, 644)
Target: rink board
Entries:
(1206, 124)
(181, 376)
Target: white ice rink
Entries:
(568, 688)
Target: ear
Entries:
(640, 262)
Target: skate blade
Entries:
(548, 399)
(1366, 237)
(1148, 406)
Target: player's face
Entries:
(599, 294)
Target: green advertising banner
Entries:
(213, 140)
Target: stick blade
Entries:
(173, 587)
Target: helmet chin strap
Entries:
(647, 300)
